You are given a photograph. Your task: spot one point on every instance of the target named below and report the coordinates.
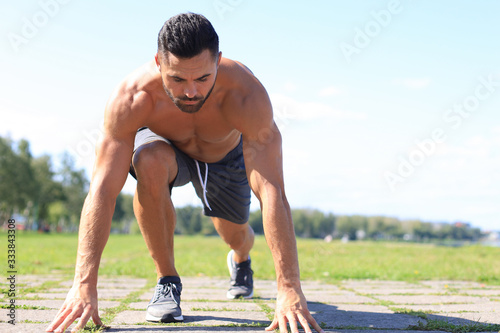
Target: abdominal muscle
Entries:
(208, 151)
(206, 144)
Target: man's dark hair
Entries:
(187, 35)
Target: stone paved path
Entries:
(350, 306)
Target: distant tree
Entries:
(17, 183)
(9, 192)
(255, 221)
(123, 216)
(74, 184)
(312, 223)
(190, 221)
(47, 189)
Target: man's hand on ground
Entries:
(291, 307)
(80, 303)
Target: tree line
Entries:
(46, 198)
(31, 189)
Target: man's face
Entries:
(188, 82)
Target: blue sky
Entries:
(386, 107)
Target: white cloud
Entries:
(413, 83)
(329, 91)
(287, 109)
(290, 86)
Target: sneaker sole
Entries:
(230, 261)
(167, 319)
(230, 268)
(231, 296)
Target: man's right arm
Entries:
(113, 157)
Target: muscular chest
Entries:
(207, 125)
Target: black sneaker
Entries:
(165, 307)
(241, 278)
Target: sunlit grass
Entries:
(206, 256)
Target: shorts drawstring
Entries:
(203, 182)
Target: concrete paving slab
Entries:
(205, 282)
(44, 316)
(395, 291)
(458, 302)
(62, 290)
(467, 318)
(37, 328)
(311, 286)
(194, 306)
(56, 304)
(204, 318)
(341, 299)
(215, 318)
(103, 294)
(358, 319)
(480, 292)
(129, 317)
(120, 281)
(121, 284)
(193, 294)
(475, 307)
(47, 295)
(114, 293)
(364, 308)
(180, 329)
(26, 328)
(37, 280)
(376, 284)
(452, 284)
(432, 299)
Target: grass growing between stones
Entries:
(127, 255)
(441, 325)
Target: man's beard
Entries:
(188, 108)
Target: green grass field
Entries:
(206, 256)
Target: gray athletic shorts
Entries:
(222, 186)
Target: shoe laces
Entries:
(166, 290)
(243, 275)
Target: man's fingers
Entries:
(273, 325)
(60, 317)
(305, 324)
(314, 323)
(68, 321)
(282, 323)
(96, 318)
(87, 312)
(293, 323)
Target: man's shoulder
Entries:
(239, 81)
(246, 103)
(136, 90)
(235, 73)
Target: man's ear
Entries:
(219, 59)
(157, 61)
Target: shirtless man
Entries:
(189, 116)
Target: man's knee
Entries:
(235, 235)
(155, 162)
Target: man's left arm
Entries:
(263, 162)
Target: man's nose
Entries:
(190, 90)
